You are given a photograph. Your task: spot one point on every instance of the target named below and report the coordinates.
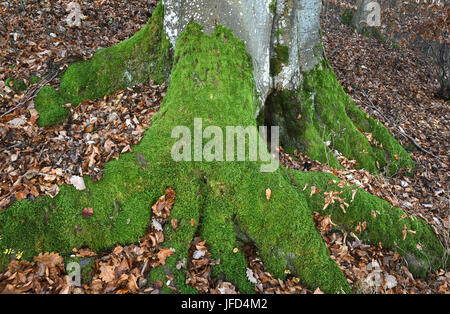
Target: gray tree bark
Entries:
(284, 33)
(365, 14)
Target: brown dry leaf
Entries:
(49, 259)
(374, 214)
(326, 223)
(21, 195)
(107, 273)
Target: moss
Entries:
(386, 228)
(16, 85)
(282, 53)
(19, 85)
(8, 81)
(275, 66)
(273, 6)
(4, 262)
(347, 17)
(396, 47)
(48, 103)
(159, 273)
(142, 57)
(372, 32)
(282, 58)
(278, 33)
(319, 112)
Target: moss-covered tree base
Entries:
(211, 79)
(320, 115)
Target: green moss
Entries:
(278, 33)
(4, 262)
(282, 53)
(142, 57)
(16, 85)
(8, 81)
(396, 46)
(275, 66)
(319, 112)
(387, 226)
(35, 79)
(48, 103)
(159, 273)
(282, 58)
(347, 17)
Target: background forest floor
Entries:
(395, 86)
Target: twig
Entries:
(399, 128)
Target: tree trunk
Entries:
(213, 78)
(365, 14)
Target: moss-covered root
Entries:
(223, 202)
(320, 113)
(375, 221)
(144, 56)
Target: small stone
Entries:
(78, 183)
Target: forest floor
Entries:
(394, 86)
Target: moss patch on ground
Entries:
(142, 57)
(320, 112)
(384, 223)
(281, 58)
